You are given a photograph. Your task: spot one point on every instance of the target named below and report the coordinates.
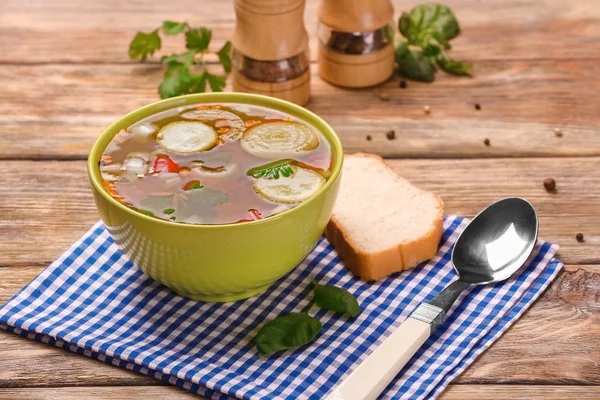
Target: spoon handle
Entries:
(372, 376)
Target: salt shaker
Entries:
(270, 49)
(356, 46)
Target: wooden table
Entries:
(65, 75)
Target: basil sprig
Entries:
(428, 29)
(297, 329)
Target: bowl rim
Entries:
(295, 110)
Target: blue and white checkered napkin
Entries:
(93, 301)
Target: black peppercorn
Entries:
(550, 184)
(579, 237)
(391, 134)
(477, 106)
(369, 137)
(486, 141)
(403, 84)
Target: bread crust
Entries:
(374, 266)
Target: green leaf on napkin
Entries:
(286, 332)
(336, 299)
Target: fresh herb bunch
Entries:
(428, 29)
(295, 329)
(179, 78)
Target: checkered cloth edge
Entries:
(93, 301)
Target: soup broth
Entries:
(216, 164)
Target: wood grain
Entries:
(38, 31)
(567, 315)
(453, 392)
(57, 111)
(46, 206)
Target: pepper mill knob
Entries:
(270, 49)
(356, 42)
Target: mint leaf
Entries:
(413, 64)
(198, 39)
(176, 81)
(216, 83)
(272, 170)
(286, 332)
(224, 55)
(144, 44)
(453, 66)
(336, 299)
(173, 28)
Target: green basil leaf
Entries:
(272, 170)
(433, 18)
(176, 81)
(224, 55)
(413, 64)
(216, 83)
(336, 299)
(453, 66)
(173, 28)
(198, 39)
(408, 28)
(169, 211)
(144, 44)
(286, 332)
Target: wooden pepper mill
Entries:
(356, 46)
(270, 49)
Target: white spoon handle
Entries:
(372, 376)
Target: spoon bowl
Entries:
(497, 242)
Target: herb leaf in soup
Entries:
(286, 332)
(336, 299)
(298, 187)
(272, 170)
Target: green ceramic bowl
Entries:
(217, 262)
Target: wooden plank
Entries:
(453, 392)
(57, 111)
(46, 206)
(84, 31)
(567, 316)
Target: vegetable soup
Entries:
(216, 164)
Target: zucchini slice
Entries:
(236, 124)
(279, 139)
(296, 188)
(187, 137)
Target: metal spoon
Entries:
(492, 247)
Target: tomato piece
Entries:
(165, 164)
(256, 215)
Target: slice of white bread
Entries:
(381, 223)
